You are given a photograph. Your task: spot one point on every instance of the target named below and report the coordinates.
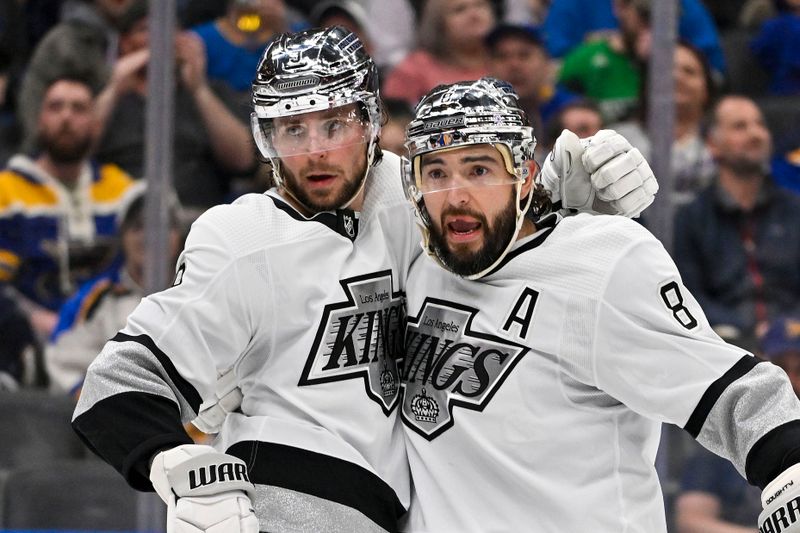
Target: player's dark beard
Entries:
(496, 239)
(64, 147)
(349, 190)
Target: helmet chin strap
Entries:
(513, 239)
(287, 190)
(368, 166)
(521, 205)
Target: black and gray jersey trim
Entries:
(715, 390)
(186, 389)
(128, 428)
(321, 476)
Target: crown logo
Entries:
(424, 407)
(388, 383)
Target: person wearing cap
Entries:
(100, 307)
(518, 55)
(346, 13)
(58, 207)
(84, 43)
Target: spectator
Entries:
(777, 48)
(20, 349)
(57, 210)
(83, 44)
(737, 245)
(582, 117)
(99, 308)
(571, 22)
(393, 133)
(451, 48)
(726, 14)
(391, 28)
(692, 165)
(608, 70)
(235, 41)
(518, 56)
(210, 144)
(786, 167)
(714, 497)
(347, 13)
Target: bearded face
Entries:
(66, 122)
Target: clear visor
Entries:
(432, 174)
(308, 133)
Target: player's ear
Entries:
(533, 171)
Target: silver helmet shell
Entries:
(313, 70)
(484, 111)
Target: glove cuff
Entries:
(788, 478)
(198, 470)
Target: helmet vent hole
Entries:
(288, 106)
(313, 102)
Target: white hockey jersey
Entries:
(533, 397)
(309, 314)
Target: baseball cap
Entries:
(349, 8)
(783, 335)
(527, 32)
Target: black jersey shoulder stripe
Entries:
(323, 476)
(546, 225)
(128, 428)
(186, 389)
(342, 221)
(715, 390)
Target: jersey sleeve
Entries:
(655, 352)
(153, 375)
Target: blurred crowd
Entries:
(73, 93)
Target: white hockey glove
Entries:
(227, 398)
(205, 491)
(781, 502)
(600, 174)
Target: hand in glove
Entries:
(600, 174)
(781, 502)
(205, 491)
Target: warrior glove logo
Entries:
(361, 338)
(218, 473)
(448, 364)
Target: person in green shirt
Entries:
(609, 70)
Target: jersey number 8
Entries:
(673, 299)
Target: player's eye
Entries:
(293, 131)
(480, 171)
(435, 174)
(335, 127)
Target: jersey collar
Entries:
(342, 221)
(544, 227)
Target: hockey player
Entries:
(300, 291)
(537, 377)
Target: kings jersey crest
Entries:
(361, 338)
(448, 365)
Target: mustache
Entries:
(460, 211)
(321, 169)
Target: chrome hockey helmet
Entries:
(485, 111)
(314, 70)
